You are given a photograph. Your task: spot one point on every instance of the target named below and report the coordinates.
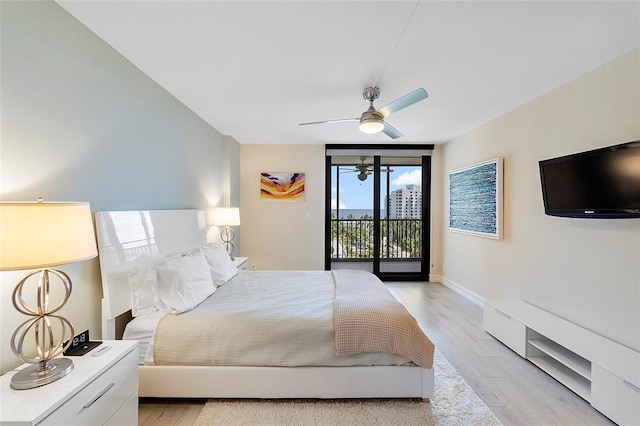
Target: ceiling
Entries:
(254, 70)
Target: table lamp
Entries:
(40, 235)
(227, 217)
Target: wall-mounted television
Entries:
(603, 183)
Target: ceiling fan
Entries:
(364, 169)
(372, 120)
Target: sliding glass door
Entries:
(401, 211)
(352, 214)
(378, 214)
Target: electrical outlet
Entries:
(253, 266)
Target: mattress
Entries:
(267, 318)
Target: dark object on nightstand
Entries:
(81, 345)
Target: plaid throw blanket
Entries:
(367, 318)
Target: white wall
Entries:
(81, 123)
(283, 235)
(584, 270)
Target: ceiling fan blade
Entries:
(331, 121)
(391, 131)
(369, 171)
(405, 101)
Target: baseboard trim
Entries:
(462, 291)
(435, 278)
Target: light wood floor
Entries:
(517, 392)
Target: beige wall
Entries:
(269, 229)
(585, 270)
(282, 235)
(437, 213)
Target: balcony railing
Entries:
(400, 239)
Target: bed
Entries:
(317, 344)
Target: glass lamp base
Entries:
(35, 375)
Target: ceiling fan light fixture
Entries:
(371, 121)
(371, 126)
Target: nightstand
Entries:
(240, 262)
(101, 390)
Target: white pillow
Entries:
(220, 264)
(143, 295)
(182, 283)
(144, 298)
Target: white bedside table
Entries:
(240, 262)
(101, 390)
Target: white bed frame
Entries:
(130, 238)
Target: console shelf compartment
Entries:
(565, 366)
(564, 356)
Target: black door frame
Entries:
(423, 275)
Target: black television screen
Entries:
(603, 183)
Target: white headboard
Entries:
(130, 238)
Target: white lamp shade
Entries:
(226, 216)
(40, 235)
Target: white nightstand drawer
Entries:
(99, 400)
(241, 262)
(506, 329)
(126, 414)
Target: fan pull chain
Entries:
(384, 68)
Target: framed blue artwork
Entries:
(475, 199)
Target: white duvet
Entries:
(267, 318)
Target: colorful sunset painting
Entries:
(278, 187)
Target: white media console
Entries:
(603, 372)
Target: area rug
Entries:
(454, 403)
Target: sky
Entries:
(355, 194)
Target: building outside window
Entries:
(405, 202)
